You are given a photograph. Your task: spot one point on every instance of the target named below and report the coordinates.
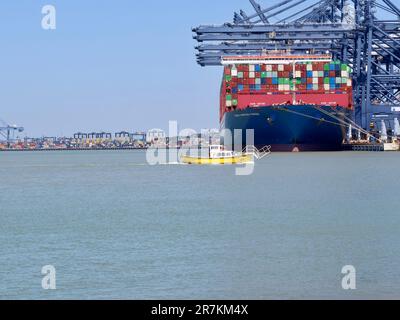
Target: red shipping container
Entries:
(258, 74)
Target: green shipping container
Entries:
(263, 74)
(234, 102)
(228, 97)
(228, 78)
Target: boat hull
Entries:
(217, 161)
(289, 127)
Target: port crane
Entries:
(365, 34)
(7, 131)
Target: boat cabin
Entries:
(219, 152)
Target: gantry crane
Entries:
(362, 33)
(7, 131)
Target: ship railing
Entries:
(257, 153)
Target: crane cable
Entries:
(352, 123)
(308, 116)
(341, 123)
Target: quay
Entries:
(372, 147)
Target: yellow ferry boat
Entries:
(218, 155)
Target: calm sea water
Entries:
(116, 228)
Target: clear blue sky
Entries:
(110, 65)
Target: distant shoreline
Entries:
(93, 149)
(80, 149)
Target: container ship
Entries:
(292, 102)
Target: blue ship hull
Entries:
(289, 127)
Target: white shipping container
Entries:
(315, 74)
(252, 68)
(345, 74)
(269, 67)
(234, 72)
(229, 103)
(315, 87)
(252, 74)
(309, 67)
(315, 80)
(281, 67)
(258, 81)
(286, 87)
(280, 87)
(327, 87)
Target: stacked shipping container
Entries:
(281, 80)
